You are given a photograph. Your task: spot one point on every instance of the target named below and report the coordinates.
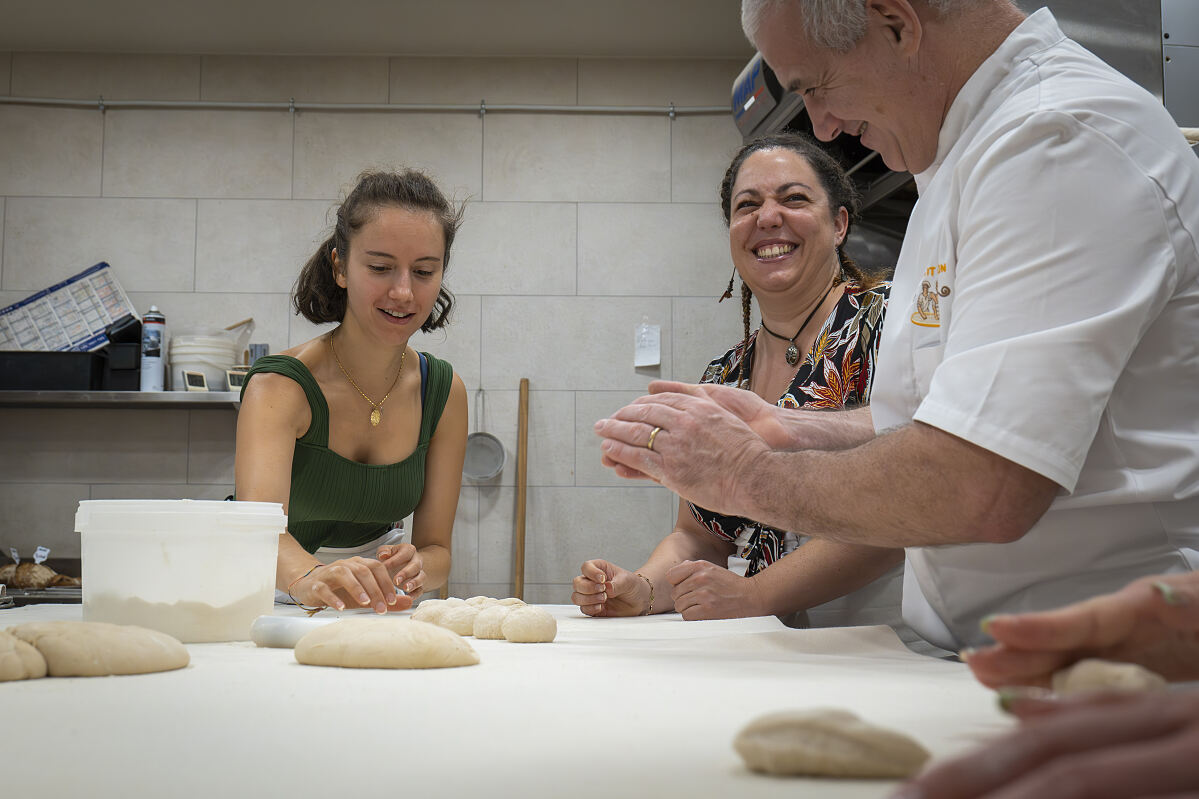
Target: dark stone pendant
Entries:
(792, 355)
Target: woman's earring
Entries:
(729, 291)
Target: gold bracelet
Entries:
(298, 603)
(648, 582)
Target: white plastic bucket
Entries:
(211, 355)
(199, 570)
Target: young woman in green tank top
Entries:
(354, 430)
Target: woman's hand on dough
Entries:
(704, 590)
(352, 582)
(605, 589)
(1153, 622)
(406, 567)
(1132, 745)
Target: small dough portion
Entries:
(384, 643)
(511, 600)
(481, 601)
(827, 743)
(19, 660)
(428, 612)
(459, 619)
(489, 622)
(529, 625)
(1105, 675)
(98, 649)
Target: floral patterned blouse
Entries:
(837, 373)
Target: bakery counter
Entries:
(614, 707)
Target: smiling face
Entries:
(876, 91)
(783, 233)
(393, 273)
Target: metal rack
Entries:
(176, 400)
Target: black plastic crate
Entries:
(50, 371)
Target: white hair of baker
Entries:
(834, 24)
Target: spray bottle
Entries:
(154, 333)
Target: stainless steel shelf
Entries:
(178, 400)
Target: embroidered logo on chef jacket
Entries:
(928, 302)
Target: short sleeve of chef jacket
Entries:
(1063, 259)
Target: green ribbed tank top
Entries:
(337, 502)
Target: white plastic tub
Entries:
(212, 355)
(199, 570)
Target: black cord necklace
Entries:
(792, 350)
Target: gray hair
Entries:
(833, 24)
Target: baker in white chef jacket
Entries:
(1033, 436)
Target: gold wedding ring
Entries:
(652, 435)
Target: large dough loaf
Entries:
(384, 643)
(19, 660)
(98, 649)
(827, 743)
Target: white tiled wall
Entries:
(578, 227)
(90, 76)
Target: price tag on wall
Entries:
(40, 554)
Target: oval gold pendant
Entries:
(375, 417)
(792, 355)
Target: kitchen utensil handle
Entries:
(522, 467)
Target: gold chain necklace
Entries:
(377, 412)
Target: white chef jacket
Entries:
(1046, 308)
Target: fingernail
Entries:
(364, 599)
(391, 598)
(410, 587)
(340, 605)
(985, 624)
(1010, 695)
(380, 608)
(1169, 595)
(967, 653)
(907, 792)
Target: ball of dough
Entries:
(488, 624)
(429, 612)
(19, 660)
(460, 619)
(511, 600)
(454, 600)
(529, 625)
(98, 649)
(481, 601)
(1104, 675)
(827, 743)
(384, 643)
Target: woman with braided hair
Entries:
(789, 207)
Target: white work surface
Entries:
(613, 708)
